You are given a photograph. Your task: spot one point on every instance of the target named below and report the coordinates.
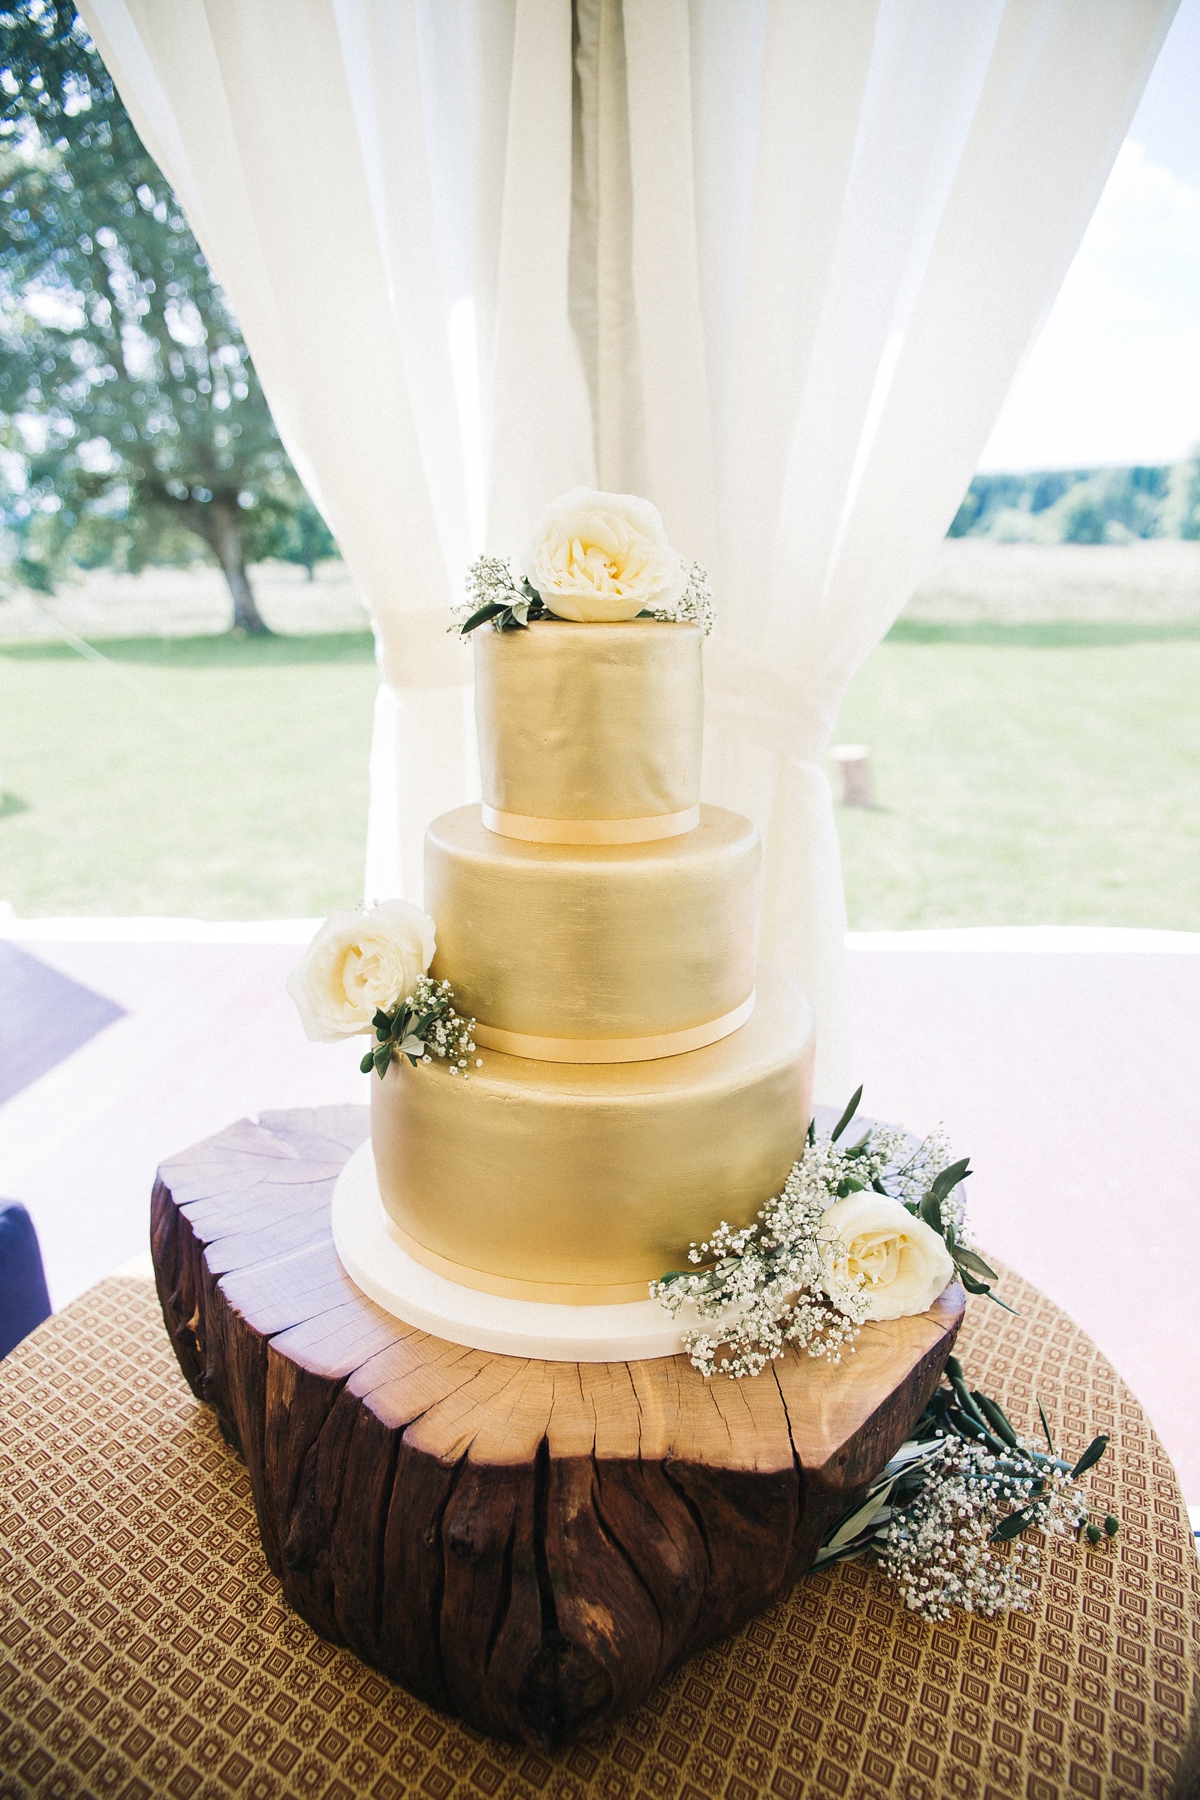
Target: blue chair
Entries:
(24, 1300)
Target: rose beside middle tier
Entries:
(596, 953)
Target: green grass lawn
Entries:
(203, 776)
(1026, 770)
(1027, 774)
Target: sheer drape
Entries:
(773, 264)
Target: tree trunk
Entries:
(219, 524)
(226, 541)
(246, 616)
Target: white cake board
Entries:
(377, 1262)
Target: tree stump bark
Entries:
(531, 1546)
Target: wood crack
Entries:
(612, 1538)
(439, 1543)
(380, 1586)
(541, 1492)
(697, 1516)
(796, 1462)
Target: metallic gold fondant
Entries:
(595, 941)
(590, 721)
(611, 1050)
(552, 1293)
(595, 1178)
(590, 831)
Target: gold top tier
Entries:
(590, 734)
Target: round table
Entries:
(145, 1649)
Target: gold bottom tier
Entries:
(577, 1183)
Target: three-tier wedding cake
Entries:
(640, 1076)
(583, 1067)
(592, 1142)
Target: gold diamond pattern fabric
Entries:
(145, 1650)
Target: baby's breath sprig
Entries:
(774, 1282)
(947, 1518)
(761, 1283)
(499, 596)
(421, 1027)
(694, 606)
(496, 595)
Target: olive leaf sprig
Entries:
(971, 1415)
(499, 597)
(422, 1027)
(969, 1265)
(963, 1483)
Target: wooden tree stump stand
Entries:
(528, 1545)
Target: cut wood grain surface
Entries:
(528, 1545)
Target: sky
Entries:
(1114, 377)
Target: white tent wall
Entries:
(772, 264)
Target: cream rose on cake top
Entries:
(358, 964)
(598, 558)
(900, 1261)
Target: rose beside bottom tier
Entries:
(579, 1183)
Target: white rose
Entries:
(904, 1261)
(601, 557)
(358, 962)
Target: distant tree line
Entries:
(1084, 506)
(133, 429)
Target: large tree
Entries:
(124, 381)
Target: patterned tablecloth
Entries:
(145, 1651)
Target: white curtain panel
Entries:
(772, 263)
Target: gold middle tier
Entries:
(575, 1185)
(596, 952)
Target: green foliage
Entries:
(1078, 518)
(1090, 1457)
(126, 389)
(421, 1027)
(140, 540)
(847, 1115)
(1080, 506)
(964, 1480)
(298, 536)
(1180, 514)
(967, 516)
